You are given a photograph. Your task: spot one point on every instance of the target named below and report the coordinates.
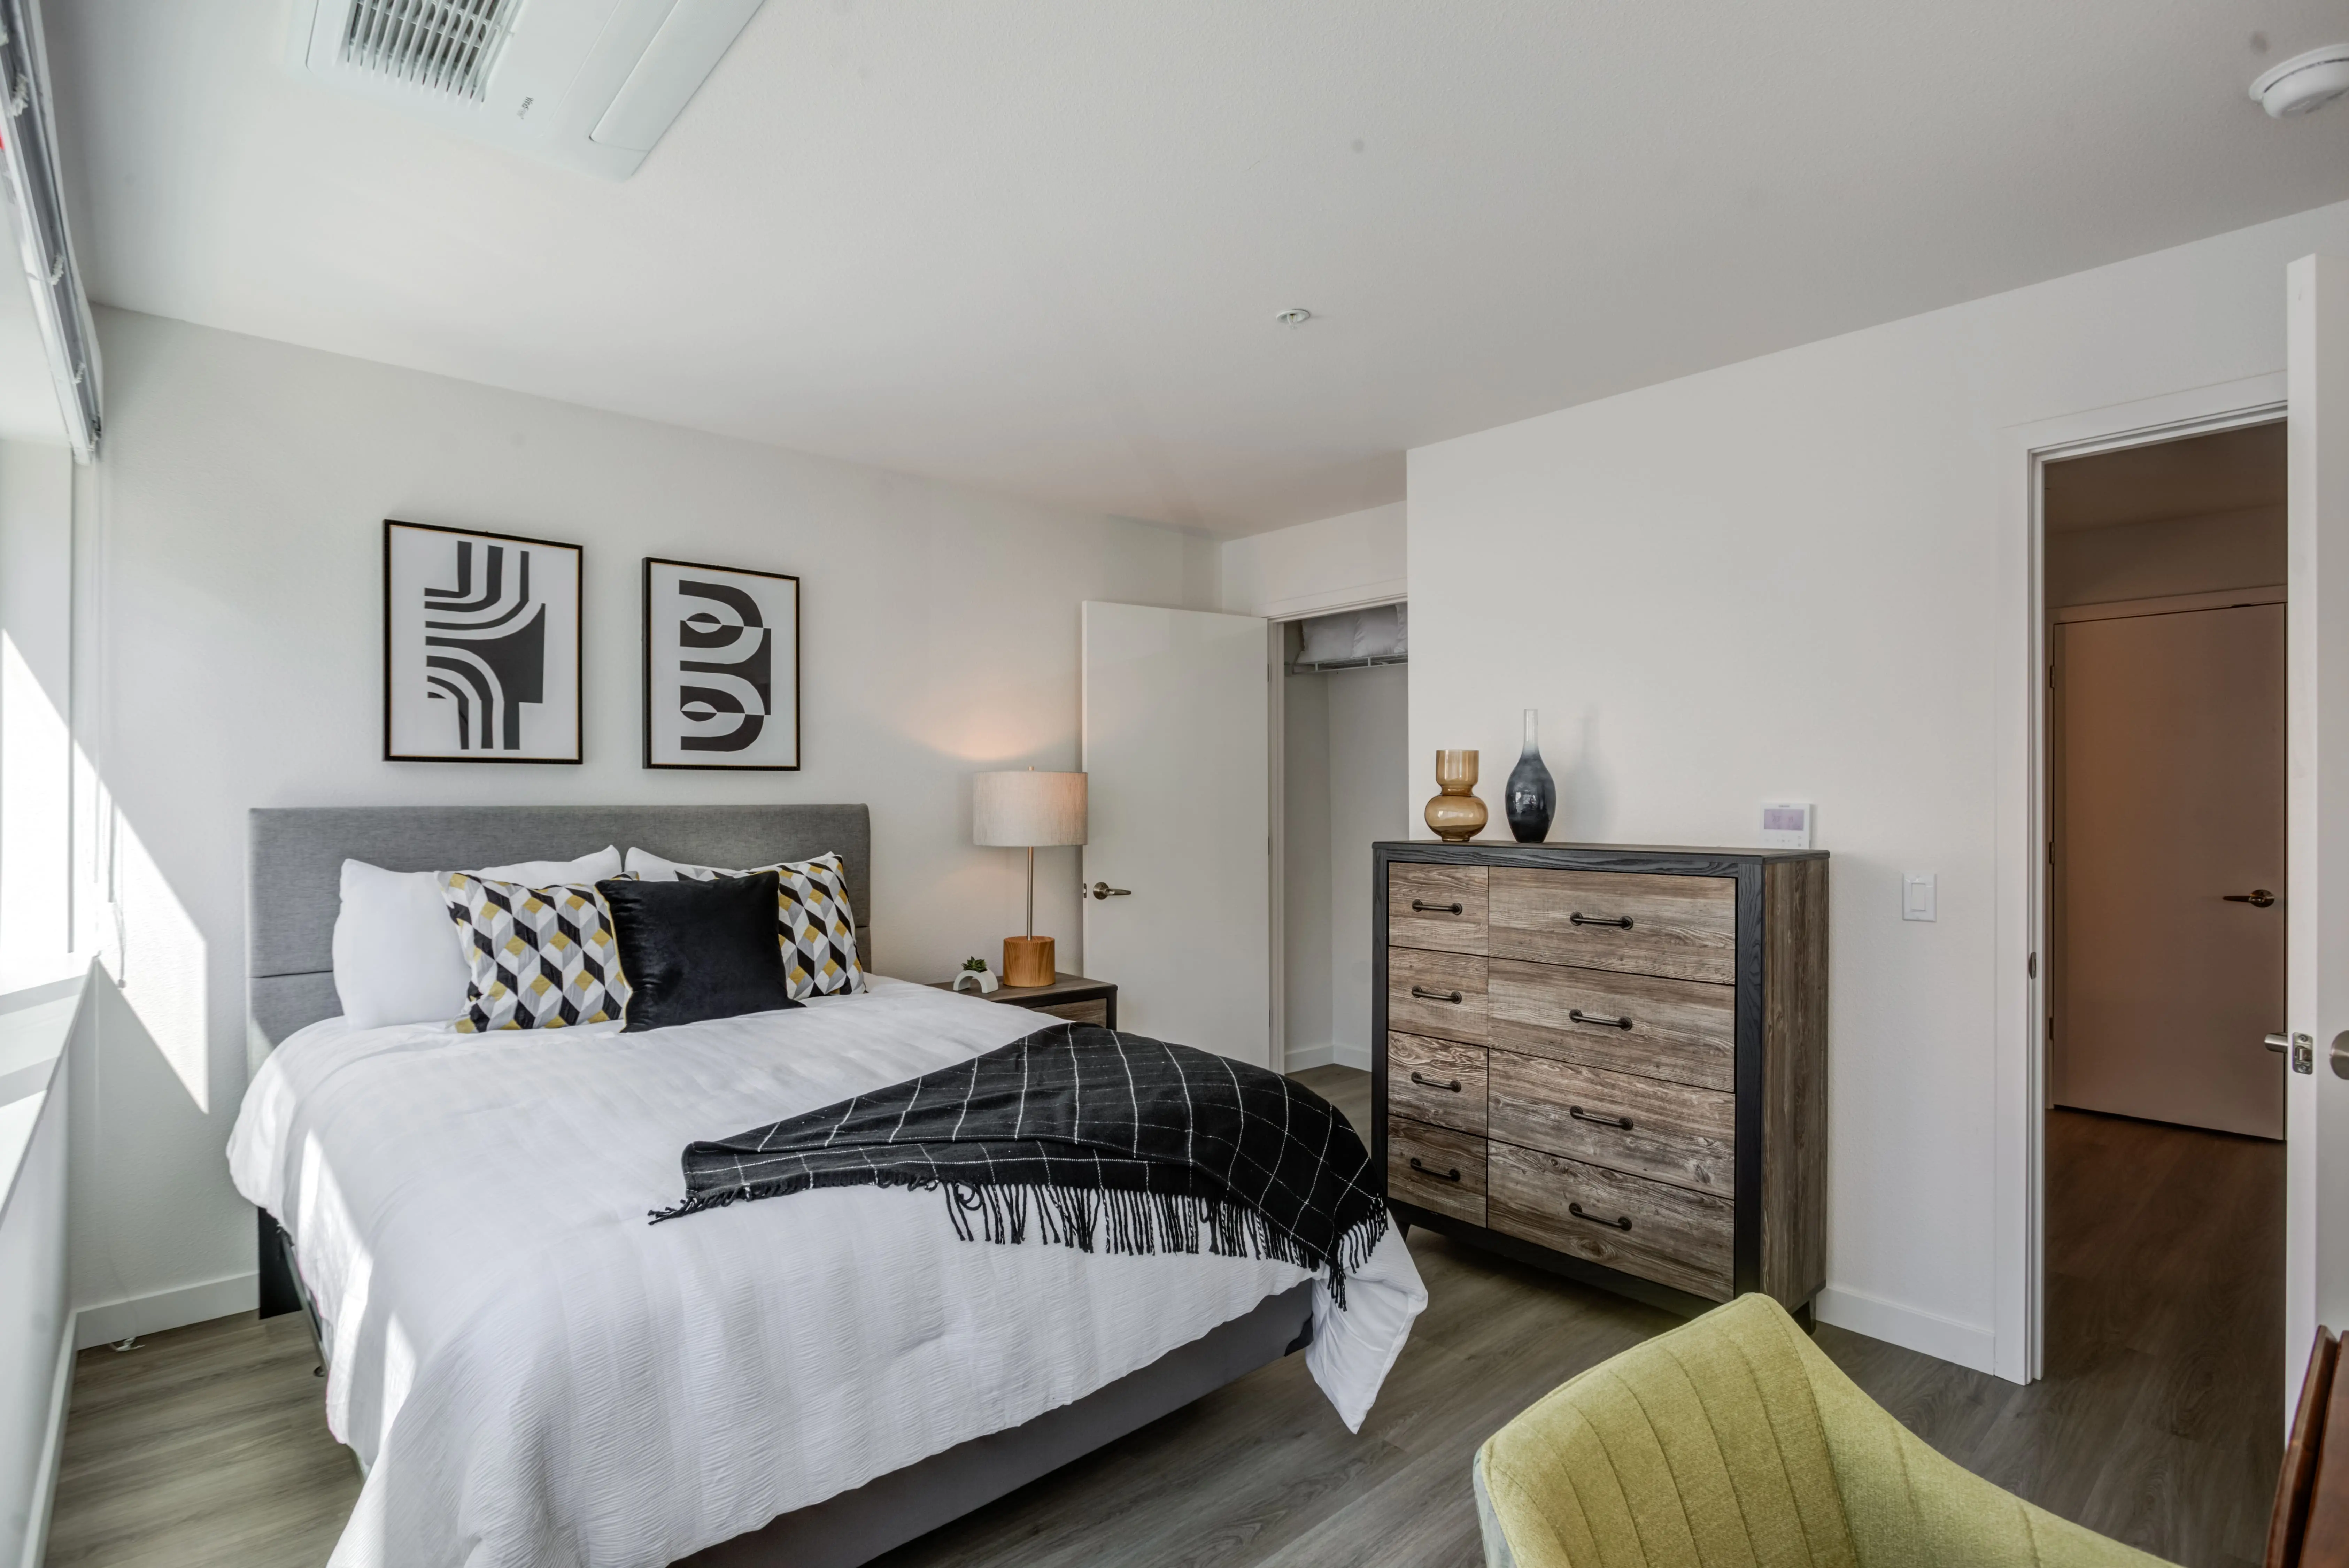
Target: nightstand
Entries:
(1069, 996)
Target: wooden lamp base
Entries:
(1028, 960)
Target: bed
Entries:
(530, 1373)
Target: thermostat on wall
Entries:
(1785, 825)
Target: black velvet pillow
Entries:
(698, 949)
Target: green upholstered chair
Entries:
(1734, 1441)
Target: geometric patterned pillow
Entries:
(817, 928)
(542, 957)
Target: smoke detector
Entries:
(2304, 82)
(590, 83)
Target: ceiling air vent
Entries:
(448, 46)
(591, 83)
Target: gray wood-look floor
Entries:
(2160, 1422)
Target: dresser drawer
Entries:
(1436, 994)
(1436, 1170)
(1440, 908)
(1094, 1012)
(1667, 1234)
(1683, 1030)
(1682, 926)
(1436, 1081)
(1668, 1132)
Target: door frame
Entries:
(2022, 761)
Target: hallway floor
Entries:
(2160, 1419)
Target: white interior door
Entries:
(2169, 867)
(1178, 765)
(2316, 812)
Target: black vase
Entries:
(1531, 797)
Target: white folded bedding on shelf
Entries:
(533, 1374)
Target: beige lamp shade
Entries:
(1028, 809)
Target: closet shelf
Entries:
(1308, 667)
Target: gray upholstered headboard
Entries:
(293, 882)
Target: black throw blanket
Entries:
(1097, 1141)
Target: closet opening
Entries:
(2162, 1272)
(1342, 783)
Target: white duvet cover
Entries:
(535, 1375)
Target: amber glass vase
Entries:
(1456, 815)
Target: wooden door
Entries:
(2169, 867)
(1174, 715)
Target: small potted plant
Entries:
(975, 975)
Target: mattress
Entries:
(533, 1375)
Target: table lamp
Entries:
(1029, 811)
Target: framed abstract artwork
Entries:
(721, 667)
(480, 647)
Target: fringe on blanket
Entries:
(1099, 1220)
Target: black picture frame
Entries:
(464, 752)
(648, 678)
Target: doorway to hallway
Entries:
(2163, 1263)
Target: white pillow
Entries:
(399, 956)
(646, 867)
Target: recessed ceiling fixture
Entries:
(1295, 316)
(2304, 82)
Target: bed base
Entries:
(889, 1511)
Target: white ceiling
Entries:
(2231, 470)
(1036, 246)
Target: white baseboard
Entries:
(1912, 1328)
(53, 1449)
(118, 1321)
(1301, 1057)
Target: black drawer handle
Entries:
(1426, 995)
(1434, 1084)
(1621, 1223)
(1578, 1114)
(1418, 907)
(1581, 1017)
(1622, 922)
(1454, 1176)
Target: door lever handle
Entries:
(2258, 897)
(1103, 890)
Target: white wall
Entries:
(1357, 558)
(1786, 579)
(1306, 990)
(1370, 780)
(1345, 779)
(228, 633)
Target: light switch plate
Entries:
(1917, 896)
(1785, 825)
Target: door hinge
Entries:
(2050, 678)
(2051, 1026)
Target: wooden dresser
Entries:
(1609, 1061)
